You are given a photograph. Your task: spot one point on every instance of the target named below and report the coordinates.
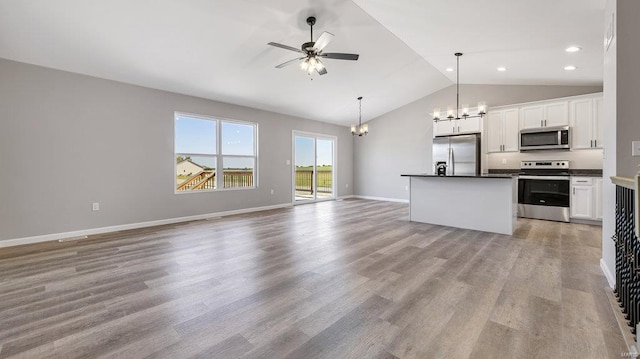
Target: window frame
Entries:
(219, 156)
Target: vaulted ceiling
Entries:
(217, 49)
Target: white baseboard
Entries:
(610, 277)
(383, 199)
(123, 227)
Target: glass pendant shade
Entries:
(360, 129)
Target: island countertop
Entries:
(484, 175)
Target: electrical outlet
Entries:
(504, 161)
(272, 191)
(635, 148)
(288, 162)
(95, 206)
(406, 188)
(347, 185)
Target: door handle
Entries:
(453, 162)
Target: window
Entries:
(206, 147)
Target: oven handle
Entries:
(553, 178)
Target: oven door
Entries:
(550, 191)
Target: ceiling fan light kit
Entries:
(360, 129)
(459, 113)
(312, 52)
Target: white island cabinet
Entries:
(480, 202)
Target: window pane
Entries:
(194, 173)
(237, 139)
(324, 160)
(238, 172)
(194, 135)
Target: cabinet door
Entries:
(532, 116)
(581, 112)
(582, 202)
(557, 114)
(443, 128)
(511, 131)
(494, 131)
(598, 121)
(470, 125)
(597, 199)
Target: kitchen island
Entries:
(485, 202)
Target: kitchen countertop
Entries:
(484, 175)
(572, 172)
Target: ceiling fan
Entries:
(312, 52)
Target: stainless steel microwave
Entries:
(546, 138)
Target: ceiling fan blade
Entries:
(286, 47)
(340, 56)
(289, 63)
(323, 41)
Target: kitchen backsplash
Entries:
(583, 159)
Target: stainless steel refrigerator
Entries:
(460, 154)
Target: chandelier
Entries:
(360, 129)
(459, 113)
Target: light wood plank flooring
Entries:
(343, 279)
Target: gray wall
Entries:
(628, 85)
(621, 94)
(67, 140)
(400, 141)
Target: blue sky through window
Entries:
(304, 151)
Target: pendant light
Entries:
(360, 129)
(451, 115)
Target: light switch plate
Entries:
(635, 148)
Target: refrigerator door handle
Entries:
(453, 162)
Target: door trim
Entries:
(334, 165)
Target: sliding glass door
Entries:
(314, 172)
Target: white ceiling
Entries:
(217, 49)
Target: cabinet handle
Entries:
(581, 182)
(541, 123)
(595, 143)
(574, 190)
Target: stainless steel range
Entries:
(543, 190)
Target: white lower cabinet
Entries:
(586, 198)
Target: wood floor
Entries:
(345, 279)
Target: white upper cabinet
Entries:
(545, 115)
(532, 116)
(454, 127)
(494, 131)
(556, 114)
(511, 130)
(443, 128)
(586, 123)
(598, 120)
(581, 123)
(470, 125)
(502, 130)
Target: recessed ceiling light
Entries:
(449, 69)
(570, 68)
(502, 69)
(573, 49)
